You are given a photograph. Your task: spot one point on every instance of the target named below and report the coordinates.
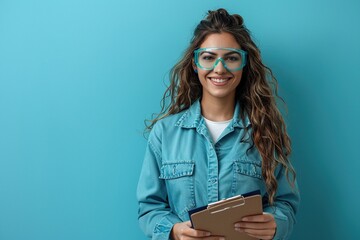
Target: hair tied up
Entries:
(238, 19)
(222, 16)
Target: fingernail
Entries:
(222, 238)
(244, 219)
(208, 233)
(237, 225)
(239, 229)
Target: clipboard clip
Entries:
(241, 199)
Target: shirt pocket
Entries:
(247, 176)
(248, 168)
(179, 179)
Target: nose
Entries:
(219, 66)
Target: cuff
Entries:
(162, 229)
(283, 228)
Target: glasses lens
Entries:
(208, 59)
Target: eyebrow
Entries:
(212, 53)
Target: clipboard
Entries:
(219, 217)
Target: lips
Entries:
(219, 81)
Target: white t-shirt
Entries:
(216, 128)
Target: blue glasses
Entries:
(232, 59)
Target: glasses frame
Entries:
(242, 53)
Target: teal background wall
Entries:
(77, 79)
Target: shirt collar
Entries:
(192, 118)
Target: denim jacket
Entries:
(184, 169)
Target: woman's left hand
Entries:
(262, 226)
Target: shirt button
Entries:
(213, 181)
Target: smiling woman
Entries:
(221, 135)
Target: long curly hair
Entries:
(256, 94)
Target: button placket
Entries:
(213, 168)
(213, 184)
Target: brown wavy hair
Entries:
(256, 94)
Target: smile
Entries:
(219, 81)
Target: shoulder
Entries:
(167, 125)
(176, 123)
(172, 120)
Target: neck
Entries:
(217, 110)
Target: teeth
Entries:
(218, 80)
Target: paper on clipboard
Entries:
(219, 217)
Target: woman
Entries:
(221, 135)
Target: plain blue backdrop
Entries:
(78, 78)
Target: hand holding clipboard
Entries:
(219, 217)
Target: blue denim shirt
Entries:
(184, 169)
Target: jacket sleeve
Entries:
(285, 206)
(155, 216)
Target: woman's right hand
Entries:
(183, 231)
